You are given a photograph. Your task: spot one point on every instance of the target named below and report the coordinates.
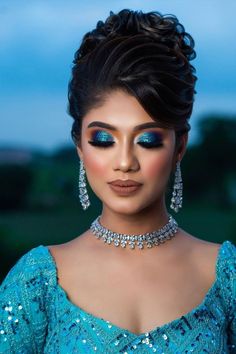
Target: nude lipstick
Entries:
(124, 187)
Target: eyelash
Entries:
(109, 144)
(106, 144)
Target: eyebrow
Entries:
(111, 127)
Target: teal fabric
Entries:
(36, 315)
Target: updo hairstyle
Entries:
(147, 55)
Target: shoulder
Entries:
(226, 275)
(220, 257)
(227, 263)
(31, 280)
(79, 248)
(72, 255)
(229, 251)
(24, 295)
(35, 263)
(209, 251)
(203, 254)
(217, 261)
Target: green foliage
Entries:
(48, 187)
(15, 184)
(23, 230)
(209, 167)
(65, 154)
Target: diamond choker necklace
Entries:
(151, 239)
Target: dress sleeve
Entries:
(231, 270)
(23, 319)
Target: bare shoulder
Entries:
(75, 256)
(76, 247)
(203, 254)
(199, 246)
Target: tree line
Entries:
(208, 170)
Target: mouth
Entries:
(125, 190)
(125, 183)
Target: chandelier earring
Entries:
(177, 195)
(83, 194)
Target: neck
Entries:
(146, 220)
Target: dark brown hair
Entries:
(145, 54)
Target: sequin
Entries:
(36, 316)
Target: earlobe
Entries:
(79, 152)
(183, 146)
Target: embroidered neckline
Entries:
(187, 315)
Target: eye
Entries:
(150, 140)
(101, 138)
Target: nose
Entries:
(126, 160)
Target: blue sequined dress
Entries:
(36, 315)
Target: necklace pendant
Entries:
(140, 244)
(104, 238)
(149, 245)
(156, 242)
(132, 244)
(123, 243)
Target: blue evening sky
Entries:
(38, 40)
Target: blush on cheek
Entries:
(95, 166)
(159, 166)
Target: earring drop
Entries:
(177, 195)
(83, 194)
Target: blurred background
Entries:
(39, 166)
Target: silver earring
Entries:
(83, 194)
(177, 195)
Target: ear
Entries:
(79, 152)
(182, 147)
(180, 150)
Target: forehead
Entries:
(119, 109)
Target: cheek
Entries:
(95, 172)
(95, 166)
(158, 165)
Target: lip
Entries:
(124, 190)
(124, 183)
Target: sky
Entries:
(38, 41)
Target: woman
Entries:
(134, 281)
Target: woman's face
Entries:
(124, 151)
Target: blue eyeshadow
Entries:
(102, 136)
(150, 137)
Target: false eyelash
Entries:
(105, 144)
(101, 144)
(150, 145)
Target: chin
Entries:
(125, 207)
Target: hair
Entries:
(147, 55)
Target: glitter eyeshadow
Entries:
(150, 137)
(147, 137)
(101, 135)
